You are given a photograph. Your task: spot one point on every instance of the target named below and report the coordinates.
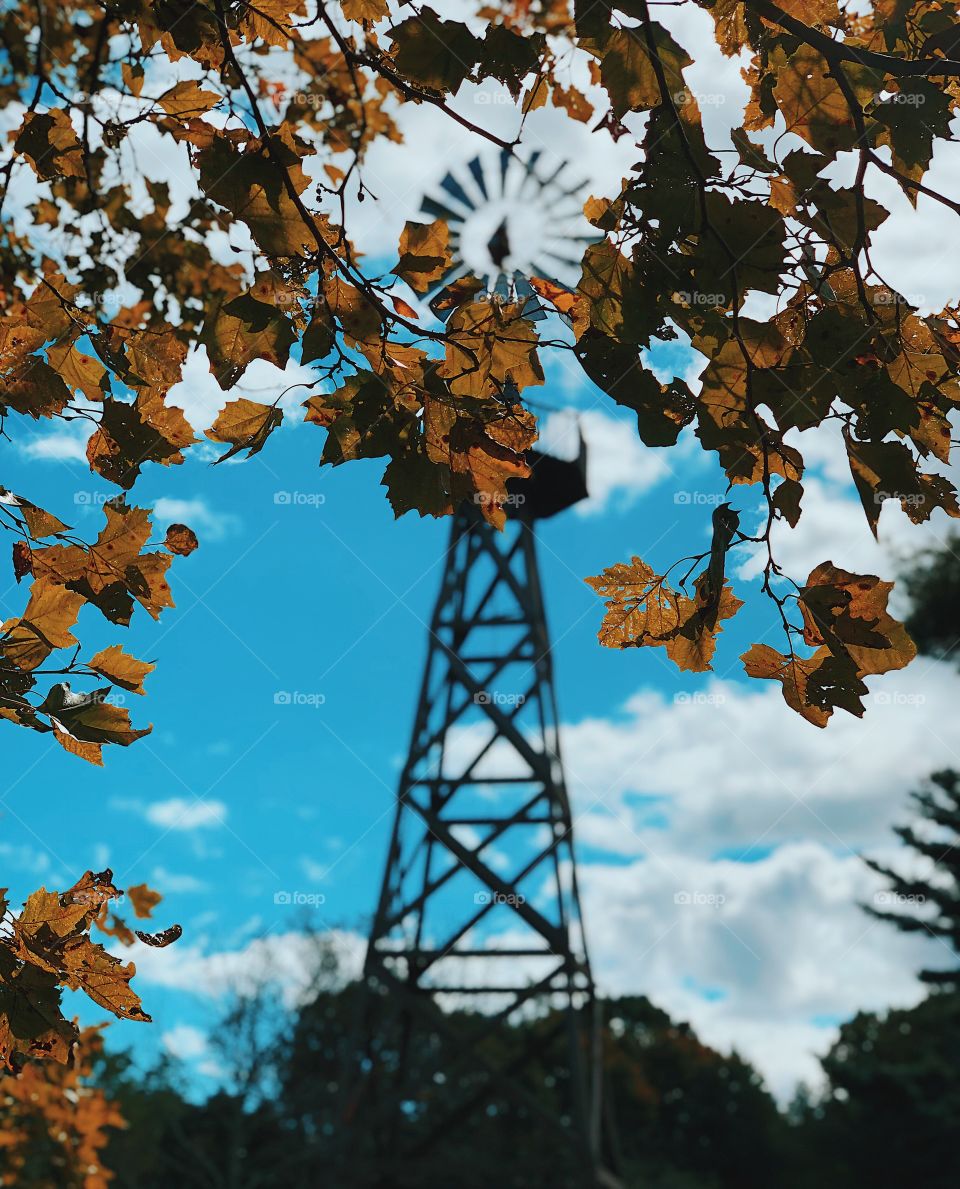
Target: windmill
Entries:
(479, 910)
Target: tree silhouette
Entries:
(929, 904)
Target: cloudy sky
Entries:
(287, 677)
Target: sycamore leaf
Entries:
(22, 560)
(244, 425)
(642, 610)
(149, 430)
(370, 11)
(181, 539)
(44, 626)
(424, 254)
(434, 53)
(162, 939)
(793, 673)
(491, 351)
(49, 142)
(188, 99)
(105, 979)
(121, 668)
(143, 899)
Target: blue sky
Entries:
(706, 787)
(282, 705)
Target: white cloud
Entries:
(673, 796)
(171, 882)
(60, 444)
(290, 961)
(764, 958)
(619, 467)
(177, 813)
(833, 526)
(180, 814)
(207, 522)
(185, 1041)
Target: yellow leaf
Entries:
(121, 668)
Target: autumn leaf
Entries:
(120, 668)
(642, 610)
(188, 99)
(244, 425)
(49, 142)
(143, 899)
(424, 254)
(181, 540)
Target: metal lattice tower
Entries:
(479, 910)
